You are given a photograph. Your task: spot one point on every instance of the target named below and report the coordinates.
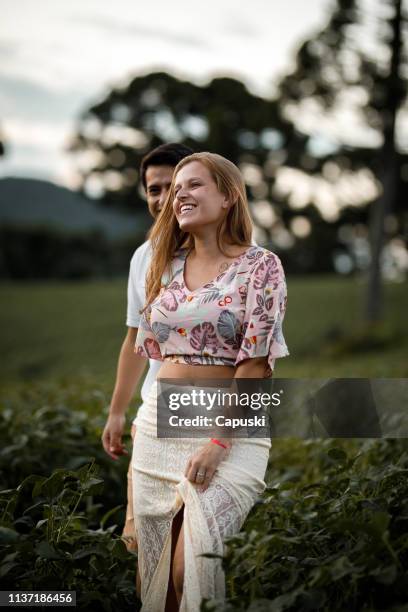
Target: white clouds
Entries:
(36, 149)
(28, 133)
(62, 44)
(49, 163)
(59, 57)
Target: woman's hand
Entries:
(112, 436)
(201, 467)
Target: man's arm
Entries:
(129, 372)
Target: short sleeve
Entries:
(134, 304)
(265, 307)
(146, 344)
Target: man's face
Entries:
(158, 181)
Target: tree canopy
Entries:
(312, 157)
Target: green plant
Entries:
(47, 427)
(49, 545)
(329, 534)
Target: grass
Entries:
(73, 331)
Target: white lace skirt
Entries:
(159, 491)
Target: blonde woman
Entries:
(218, 315)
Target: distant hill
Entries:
(32, 203)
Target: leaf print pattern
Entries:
(267, 273)
(269, 303)
(229, 329)
(144, 323)
(193, 360)
(152, 349)
(231, 276)
(171, 297)
(254, 255)
(210, 296)
(204, 336)
(277, 332)
(260, 308)
(265, 307)
(206, 360)
(269, 325)
(161, 331)
(236, 316)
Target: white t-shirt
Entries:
(136, 300)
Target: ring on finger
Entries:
(200, 475)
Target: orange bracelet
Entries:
(215, 441)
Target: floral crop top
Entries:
(236, 316)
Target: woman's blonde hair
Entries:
(166, 237)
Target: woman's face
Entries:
(197, 202)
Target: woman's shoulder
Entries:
(257, 255)
(263, 268)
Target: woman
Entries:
(218, 315)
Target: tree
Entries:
(302, 188)
(394, 93)
(359, 56)
(222, 116)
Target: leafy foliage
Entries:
(56, 526)
(49, 545)
(330, 532)
(51, 427)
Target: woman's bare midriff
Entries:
(191, 372)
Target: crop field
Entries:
(330, 531)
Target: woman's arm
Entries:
(262, 334)
(209, 457)
(257, 367)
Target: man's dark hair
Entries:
(164, 155)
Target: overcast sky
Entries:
(59, 56)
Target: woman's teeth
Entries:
(186, 209)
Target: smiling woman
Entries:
(215, 306)
(197, 200)
(206, 208)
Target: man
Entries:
(156, 171)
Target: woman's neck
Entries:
(206, 249)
